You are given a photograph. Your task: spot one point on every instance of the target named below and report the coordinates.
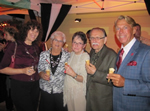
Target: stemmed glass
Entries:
(35, 68)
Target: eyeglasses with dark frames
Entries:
(80, 44)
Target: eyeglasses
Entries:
(58, 41)
(96, 38)
(75, 43)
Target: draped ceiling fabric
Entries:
(31, 14)
(52, 15)
(147, 3)
(17, 3)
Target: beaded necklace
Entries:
(54, 63)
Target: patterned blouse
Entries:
(56, 82)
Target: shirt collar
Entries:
(128, 46)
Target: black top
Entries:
(55, 58)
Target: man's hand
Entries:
(117, 79)
(91, 69)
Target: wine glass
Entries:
(33, 66)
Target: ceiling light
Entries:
(77, 20)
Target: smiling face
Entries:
(78, 45)
(31, 36)
(57, 43)
(124, 32)
(97, 39)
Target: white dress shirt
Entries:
(127, 47)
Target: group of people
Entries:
(73, 85)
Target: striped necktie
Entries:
(120, 59)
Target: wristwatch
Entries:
(75, 76)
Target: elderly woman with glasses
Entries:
(51, 70)
(75, 80)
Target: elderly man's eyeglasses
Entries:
(58, 40)
(96, 38)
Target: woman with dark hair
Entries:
(75, 80)
(24, 75)
(31, 26)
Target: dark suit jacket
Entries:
(99, 91)
(135, 68)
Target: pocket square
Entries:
(132, 63)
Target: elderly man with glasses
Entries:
(99, 90)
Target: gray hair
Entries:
(58, 33)
(128, 19)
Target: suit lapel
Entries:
(129, 56)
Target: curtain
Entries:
(31, 14)
(52, 15)
(147, 3)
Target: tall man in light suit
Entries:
(99, 90)
(131, 91)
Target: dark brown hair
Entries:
(80, 35)
(33, 24)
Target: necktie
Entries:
(120, 58)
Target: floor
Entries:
(3, 108)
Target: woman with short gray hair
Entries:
(51, 83)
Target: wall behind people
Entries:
(104, 20)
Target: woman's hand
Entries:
(44, 76)
(28, 71)
(69, 71)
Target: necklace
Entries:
(54, 63)
(30, 54)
